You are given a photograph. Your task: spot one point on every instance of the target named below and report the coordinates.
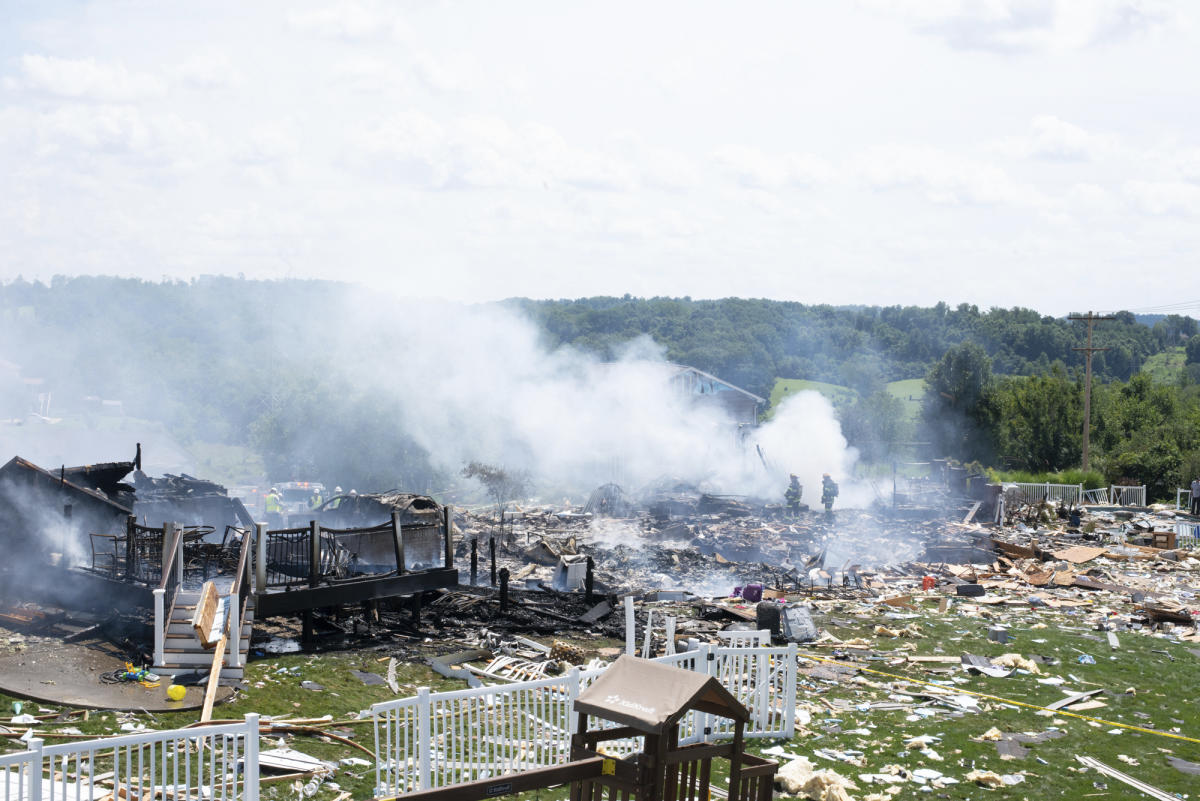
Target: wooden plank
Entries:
(206, 612)
(214, 679)
(1073, 699)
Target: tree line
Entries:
(751, 342)
(1142, 431)
(228, 360)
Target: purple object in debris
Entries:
(737, 593)
(752, 593)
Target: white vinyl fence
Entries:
(1127, 496)
(438, 739)
(214, 763)
(1187, 535)
(19, 775)
(1070, 494)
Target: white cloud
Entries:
(88, 79)
(267, 143)
(78, 134)
(1188, 164)
(1028, 25)
(481, 151)
(1162, 198)
(945, 178)
(1053, 139)
(208, 70)
(757, 170)
(351, 20)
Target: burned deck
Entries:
(252, 574)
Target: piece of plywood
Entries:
(1078, 554)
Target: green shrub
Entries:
(1091, 479)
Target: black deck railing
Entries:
(340, 554)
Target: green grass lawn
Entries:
(1165, 367)
(838, 395)
(1150, 682)
(909, 391)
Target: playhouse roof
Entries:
(652, 697)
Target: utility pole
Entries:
(1090, 319)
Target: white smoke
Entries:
(478, 384)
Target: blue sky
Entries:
(998, 152)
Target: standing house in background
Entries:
(706, 389)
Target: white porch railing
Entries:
(1187, 535)
(1070, 494)
(438, 739)
(215, 763)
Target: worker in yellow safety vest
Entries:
(315, 500)
(273, 507)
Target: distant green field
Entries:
(1164, 367)
(837, 394)
(909, 391)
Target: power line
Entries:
(1165, 307)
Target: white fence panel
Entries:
(1183, 500)
(1070, 494)
(1096, 497)
(1187, 535)
(691, 727)
(439, 739)
(21, 775)
(1127, 496)
(207, 762)
(397, 745)
(764, 679)
(204, 762)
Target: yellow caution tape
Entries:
(1003, 700)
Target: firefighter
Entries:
(274, 508)
(829, 491)
(336, 501)
(315, 500)
(792, 496)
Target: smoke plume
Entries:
(478, 384)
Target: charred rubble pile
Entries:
(1141, 563)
